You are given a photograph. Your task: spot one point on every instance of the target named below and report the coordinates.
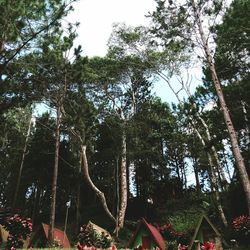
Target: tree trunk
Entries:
(21, 166)
(247, 130)
(78, 214)
(228, 121)
(123, 184)
(99, 194)
(36, 204)
(54, 181)
(196, 174)
(216, 191)
(227, 167)
(215, 154)
(214, 183)
(117, 195)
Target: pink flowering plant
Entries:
(208, 246)
(171, 235)
(241, 227)
(19, 229)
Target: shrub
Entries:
(208, 246)
(89, 237)
(169, 233)
(241, 227)
(19, 229)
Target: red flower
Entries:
(208, 246)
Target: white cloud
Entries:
(96, 18)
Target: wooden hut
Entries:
(40, 238)
(205, 232)
(147, 237)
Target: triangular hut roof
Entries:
(202, 219)
(58, 235)
(153, 232)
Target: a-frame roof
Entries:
(153, 232)
(202, 219)
(58, 235)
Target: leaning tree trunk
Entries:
(227, 118)
(54, 181)
(214, 182)
(21, 166)
(221, 171)
(99, 194)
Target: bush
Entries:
(19, 229)
(170, 234)
(241, 227)
(89, 237)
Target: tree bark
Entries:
(36, 204)
(196, 174)
(78, 202)
(214, 183)
(99, 194)
(247, 130)
(54, 181)
(21, 166)
(221, 171)
(123, 184)
(227, 118)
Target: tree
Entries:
(53, 75)
(14, 126)
(232, 61)
(183, 25)
(23, 25)
(22, 164)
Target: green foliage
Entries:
(88, 236)
(24, 25)
(233, 39)
(13, 126)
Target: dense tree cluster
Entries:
(105, 141)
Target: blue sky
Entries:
(96, 19)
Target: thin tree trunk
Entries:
(54, 181)
(21, 166)
(215, 154)
(227, 167)
(214, 183)
(99, 194)
(221, 171)
(36, 204)
(216, 191)
(228, 121)
(78, 202)
(247, 130)
(123, 184)
(196, 174)
(117, 195)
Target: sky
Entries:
(96, 18)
